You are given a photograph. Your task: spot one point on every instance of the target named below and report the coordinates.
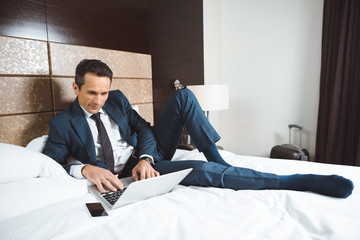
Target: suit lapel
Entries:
(82, 129)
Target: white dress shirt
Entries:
(121, 149)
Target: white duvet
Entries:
(54, 208)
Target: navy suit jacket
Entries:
(70, 133)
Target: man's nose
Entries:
(97, 99)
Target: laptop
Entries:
(135, 191)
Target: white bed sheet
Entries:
(194, 212)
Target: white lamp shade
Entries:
(211, 97)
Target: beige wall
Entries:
(36, 78)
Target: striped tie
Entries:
(105, 142)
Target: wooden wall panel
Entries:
(138, 91)
(21, 129)
(22, 18)
(31, 94)
(111, 24)
(64, 59)
(166, 45)
(171, 31)
(186, 28)
(186, 9)
(24, 95)
(21, 56)
(63, 93)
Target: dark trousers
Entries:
(182, 110)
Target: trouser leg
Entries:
(216, 175)
(182, 110)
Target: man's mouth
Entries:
(94, 106)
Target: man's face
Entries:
(94, 92)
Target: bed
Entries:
(39, 200)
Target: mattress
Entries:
(39, 200)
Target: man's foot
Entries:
(330, 185)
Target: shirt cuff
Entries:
(149, 156)
(75, 171)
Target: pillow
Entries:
(37, 144)
(19, 163)
(182, 155)
(136, 108)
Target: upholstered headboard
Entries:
(36, 83)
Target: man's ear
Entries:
(76, 88)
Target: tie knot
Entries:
(96, 116)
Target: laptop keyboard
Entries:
(112, 197)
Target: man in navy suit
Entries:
(143, 151)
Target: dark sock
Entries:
(212, 155)
(330, 185)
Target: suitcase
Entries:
(290, 151)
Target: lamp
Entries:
(211, 97)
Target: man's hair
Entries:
(91, 66)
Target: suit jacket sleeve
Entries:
(70, 135)
(56, 145)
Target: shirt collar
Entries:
(88, 115)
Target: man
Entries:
(130, 146)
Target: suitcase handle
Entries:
(295, 126)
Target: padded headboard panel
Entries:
(36, 82)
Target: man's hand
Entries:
(102, 177)
(144, 170)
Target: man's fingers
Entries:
(114, 180)
(150, 173)
(144, 170)
(139, 174)
(154, 173)
(109, 186)
(119, 185)
(102, 178)
(135, 175)
(100, 187)
(143, 175)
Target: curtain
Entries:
(338, 129)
